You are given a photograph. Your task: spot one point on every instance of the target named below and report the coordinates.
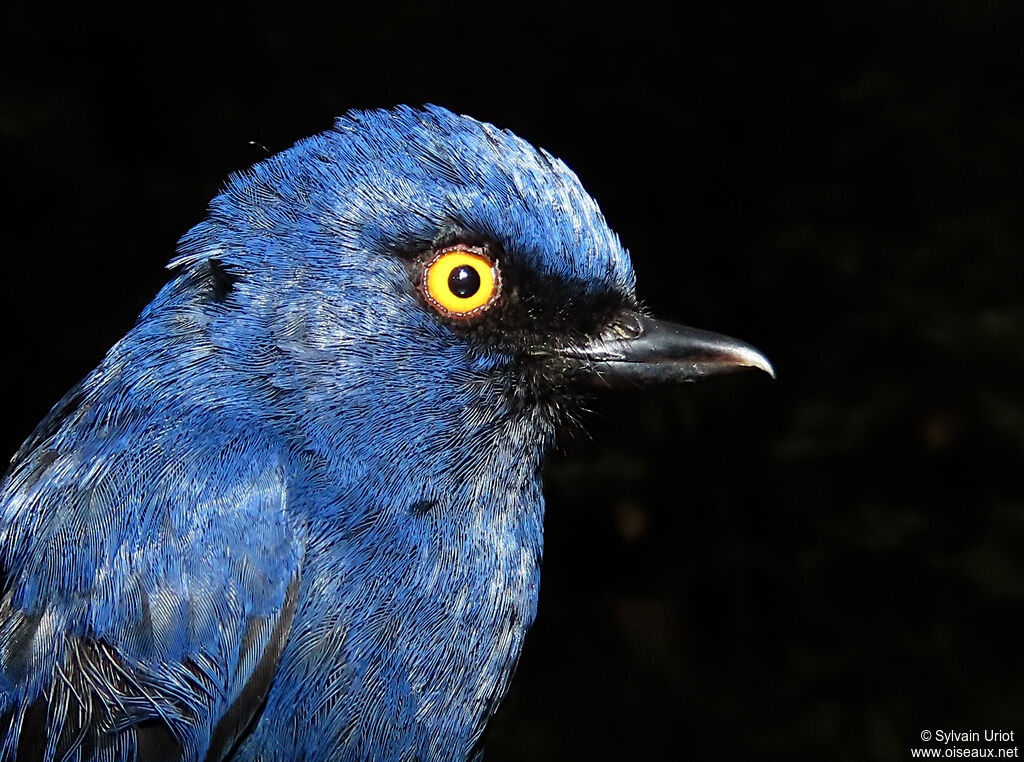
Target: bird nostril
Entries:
(625, 325)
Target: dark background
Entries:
(815, 568)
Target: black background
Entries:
(815, 568)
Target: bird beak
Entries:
(638, 349)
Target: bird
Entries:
(296, 512)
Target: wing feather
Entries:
(149, 584)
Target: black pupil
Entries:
(464, 281)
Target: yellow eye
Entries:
(460, 282)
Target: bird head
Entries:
(411, 257)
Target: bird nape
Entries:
(296, 512)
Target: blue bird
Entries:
(296, 512)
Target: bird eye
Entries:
(460, 282)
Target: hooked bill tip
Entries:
(748, 357)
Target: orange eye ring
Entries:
(460, 282)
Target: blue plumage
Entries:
(295, 513)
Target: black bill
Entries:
(639, 349)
